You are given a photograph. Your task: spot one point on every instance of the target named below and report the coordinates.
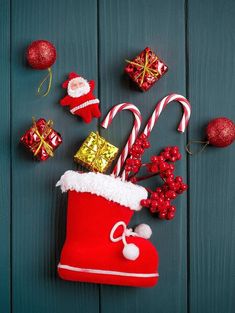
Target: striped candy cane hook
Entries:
(158, 110)
(161, 106)
(137, 123)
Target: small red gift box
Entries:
(146, 69)
(41, 139)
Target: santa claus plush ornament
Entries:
(80, 98)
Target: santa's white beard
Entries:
(79, 91)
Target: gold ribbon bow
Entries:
(99, 153)
(43, 136)
(145, 67)
(96, 153)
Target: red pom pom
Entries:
(220, 132)
(41, 54)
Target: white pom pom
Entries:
(144, 231)
(131, 251)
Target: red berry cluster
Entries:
(162, 165)
(159, 162)
(134, 163)
(160, 199)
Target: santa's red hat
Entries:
(71, 76)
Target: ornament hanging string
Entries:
(158, 110)
(220, 132)
(40, 87)
(42, 136)
(135, 130)
(145, 67)
(204, 143)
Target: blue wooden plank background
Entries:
(197, 253)
(5, 160)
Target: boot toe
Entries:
(107, 264)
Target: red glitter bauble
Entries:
(220, 132)
(41, 54)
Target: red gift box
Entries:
(146, 69)
(41, 139)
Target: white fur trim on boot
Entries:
(109, 187)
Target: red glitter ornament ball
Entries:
(41, 54)
(220, 132)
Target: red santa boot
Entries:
(80, 98)
(99, 248)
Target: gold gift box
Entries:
(96, 153)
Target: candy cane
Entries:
(137, 122)
(158, 110)
(161, 106)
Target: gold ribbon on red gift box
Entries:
(42, 138)
(145, 66)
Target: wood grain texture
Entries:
(212, 216)
(5, 160)
(93, 38)
(39, 210)
(126, 28)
